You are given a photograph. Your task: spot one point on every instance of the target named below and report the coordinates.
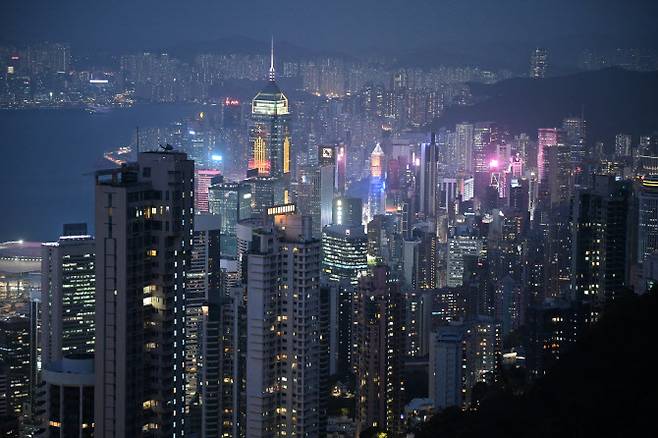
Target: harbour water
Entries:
(48, 158)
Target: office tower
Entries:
(546, 138)
(464, 147)
(203, 280)
(327, 170)
(69, 396)
(463, 243)
(347, 211)
(269, 132)
(379, 342)
(231, 113)
(15, 361)
(144, 236)
(376, 194)
(202, 182)
(447, 359)
(67, 296)
(482, 133)
(344, 251)
(231, 201)
(623, 145)
(428, 177)
(538, 63)
(647, 218)
(575, 129)
(601, 242)
(341, 169)
(344, 260)
(283, 330)
(264, 192)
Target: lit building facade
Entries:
(144, 231)
(269, 132)
(68, 297)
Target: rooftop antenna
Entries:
(272, 72)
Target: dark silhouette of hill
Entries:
(613, 101)
(603, 388)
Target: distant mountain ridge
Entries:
(612, 100)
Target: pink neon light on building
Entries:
(202, 181)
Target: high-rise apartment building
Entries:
(283, 330)
(144, 238)
(203, 280)
(602, 247)
(379, 341)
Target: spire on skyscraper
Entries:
(272, 72)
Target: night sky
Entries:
(345, 25)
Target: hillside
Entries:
(612, 100)
(602, 388)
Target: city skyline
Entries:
(442, 236)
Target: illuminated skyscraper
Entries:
(203, 281)
(376, 198)
(67, 296)
(269, 132)
(546, 138)
(428, 177)
(144, 234)
(202, 182)
(648, 218)
(538, 63)
(464, 146)
(283, 331)
(379, 342)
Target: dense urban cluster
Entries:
(333, 265)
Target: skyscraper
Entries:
(538, 63)
(601, 244)
(376, 195)
(446, 367)
(202, 182)
(269, 132)
(344, 260)
(67, 296)
(464, 147)
(379, 310)
(203, 280)
(327, 169)
(283, 330)
(144, 234)
(546, 138)
(647, 218)
(428, 177)
(231, 201)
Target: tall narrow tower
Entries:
(144, 237)
(269, 132)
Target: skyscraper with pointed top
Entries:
(269, 131)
